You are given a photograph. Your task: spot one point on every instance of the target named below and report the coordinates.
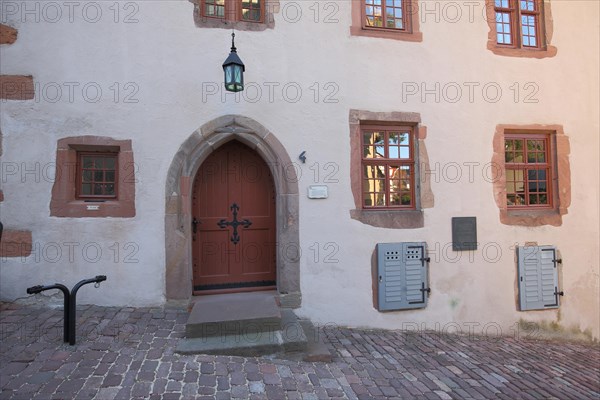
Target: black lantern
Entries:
(234, 70)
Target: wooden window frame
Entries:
(80, 168)
(549, 166)
(516, 33)
(233, 12)
(388, 162)
(406, 20)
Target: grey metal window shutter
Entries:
(538, 278)
(402, 275)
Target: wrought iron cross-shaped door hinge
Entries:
(235, 238)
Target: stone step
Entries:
(316, 349)
(250, 325)
(289, 337)
(262, 343)
(239, 314)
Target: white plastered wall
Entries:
(174, 67)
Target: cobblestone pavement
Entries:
(125, 353)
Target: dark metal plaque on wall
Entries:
(464, 233)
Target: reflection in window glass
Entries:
(388, 168)
(527, 171)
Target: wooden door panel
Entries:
(233, 174)
(257, 253)
(213, 253)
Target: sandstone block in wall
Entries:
(8, 34)
(15, 243)
(16, 87)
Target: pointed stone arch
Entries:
(184, 166)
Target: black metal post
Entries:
(67, 297)
(73, 305)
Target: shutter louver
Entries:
(402, 276)
(538, 278)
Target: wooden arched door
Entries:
(233, 227)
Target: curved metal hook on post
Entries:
(70, 298)
(39, 288)
(73, 304)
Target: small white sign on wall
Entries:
(93, 208)
(318, 192)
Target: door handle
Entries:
(195, 223)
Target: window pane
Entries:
(97, 189)
(98, 176)
(374, 145)
(109, 176)
(88, 162)
(214, 8)
(400, 185)
(542, 186)
(378, 18)
(533, 186)
(109, 162)
(87, 176)
(515, 187)
(86, 188)
(374, 199)
(374, 171)
(533, 199)
(251, 10)
(110, 189)
(399, 145)
(528, 5)
(510, 187)
(374, 185)
(528, 28)
(503, 28)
